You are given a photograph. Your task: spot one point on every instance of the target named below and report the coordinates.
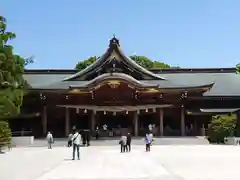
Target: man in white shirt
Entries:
(76, 140)
(49, 140)
(123, 143)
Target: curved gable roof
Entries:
(113, 51)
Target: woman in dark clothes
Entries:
(129, 140)
(84, 139)
(88, 136)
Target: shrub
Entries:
(5, 134)
(221, 127)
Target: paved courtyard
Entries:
(192, 162)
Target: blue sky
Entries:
(187, 33)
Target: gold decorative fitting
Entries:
(77, 91)
(114, 84)
(152, 90)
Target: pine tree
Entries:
(12, 84)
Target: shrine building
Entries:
(118, 92)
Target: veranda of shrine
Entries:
(120, 93)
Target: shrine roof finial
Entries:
(114, 41)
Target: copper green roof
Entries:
(223, 82)
(227, 82)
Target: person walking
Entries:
(129, 140)
(97, 133)
(49, 140)
(84, 137)
(123, 143)
(151, 138)
(76, 139)
(148, 141)
(88, 137)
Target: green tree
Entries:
(238, 68)
(221, 127)
(141, 60)
(12, 84)
(85, 63)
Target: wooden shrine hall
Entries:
(118, 92)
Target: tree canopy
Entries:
(238, 68)
(12, 84)
(141, 60)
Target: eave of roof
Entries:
(163, 85)
(153, 70)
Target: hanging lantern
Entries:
(85, 111)
(104, 113)
(126, 112)
(146, 110)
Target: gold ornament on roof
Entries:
(152, 90)
(114, 84)
(77, 91)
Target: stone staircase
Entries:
(135, 141)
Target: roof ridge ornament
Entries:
(114, 41)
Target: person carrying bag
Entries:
(76, 139)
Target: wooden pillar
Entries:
(93, 121)
(161, 122)
(44, 120)
(135, 122)
(67, 121)
(183, 121)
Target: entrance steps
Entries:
(111, 141)
(199, 140)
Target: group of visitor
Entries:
(125, 142)
(75, 138)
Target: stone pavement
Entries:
(195, 162)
